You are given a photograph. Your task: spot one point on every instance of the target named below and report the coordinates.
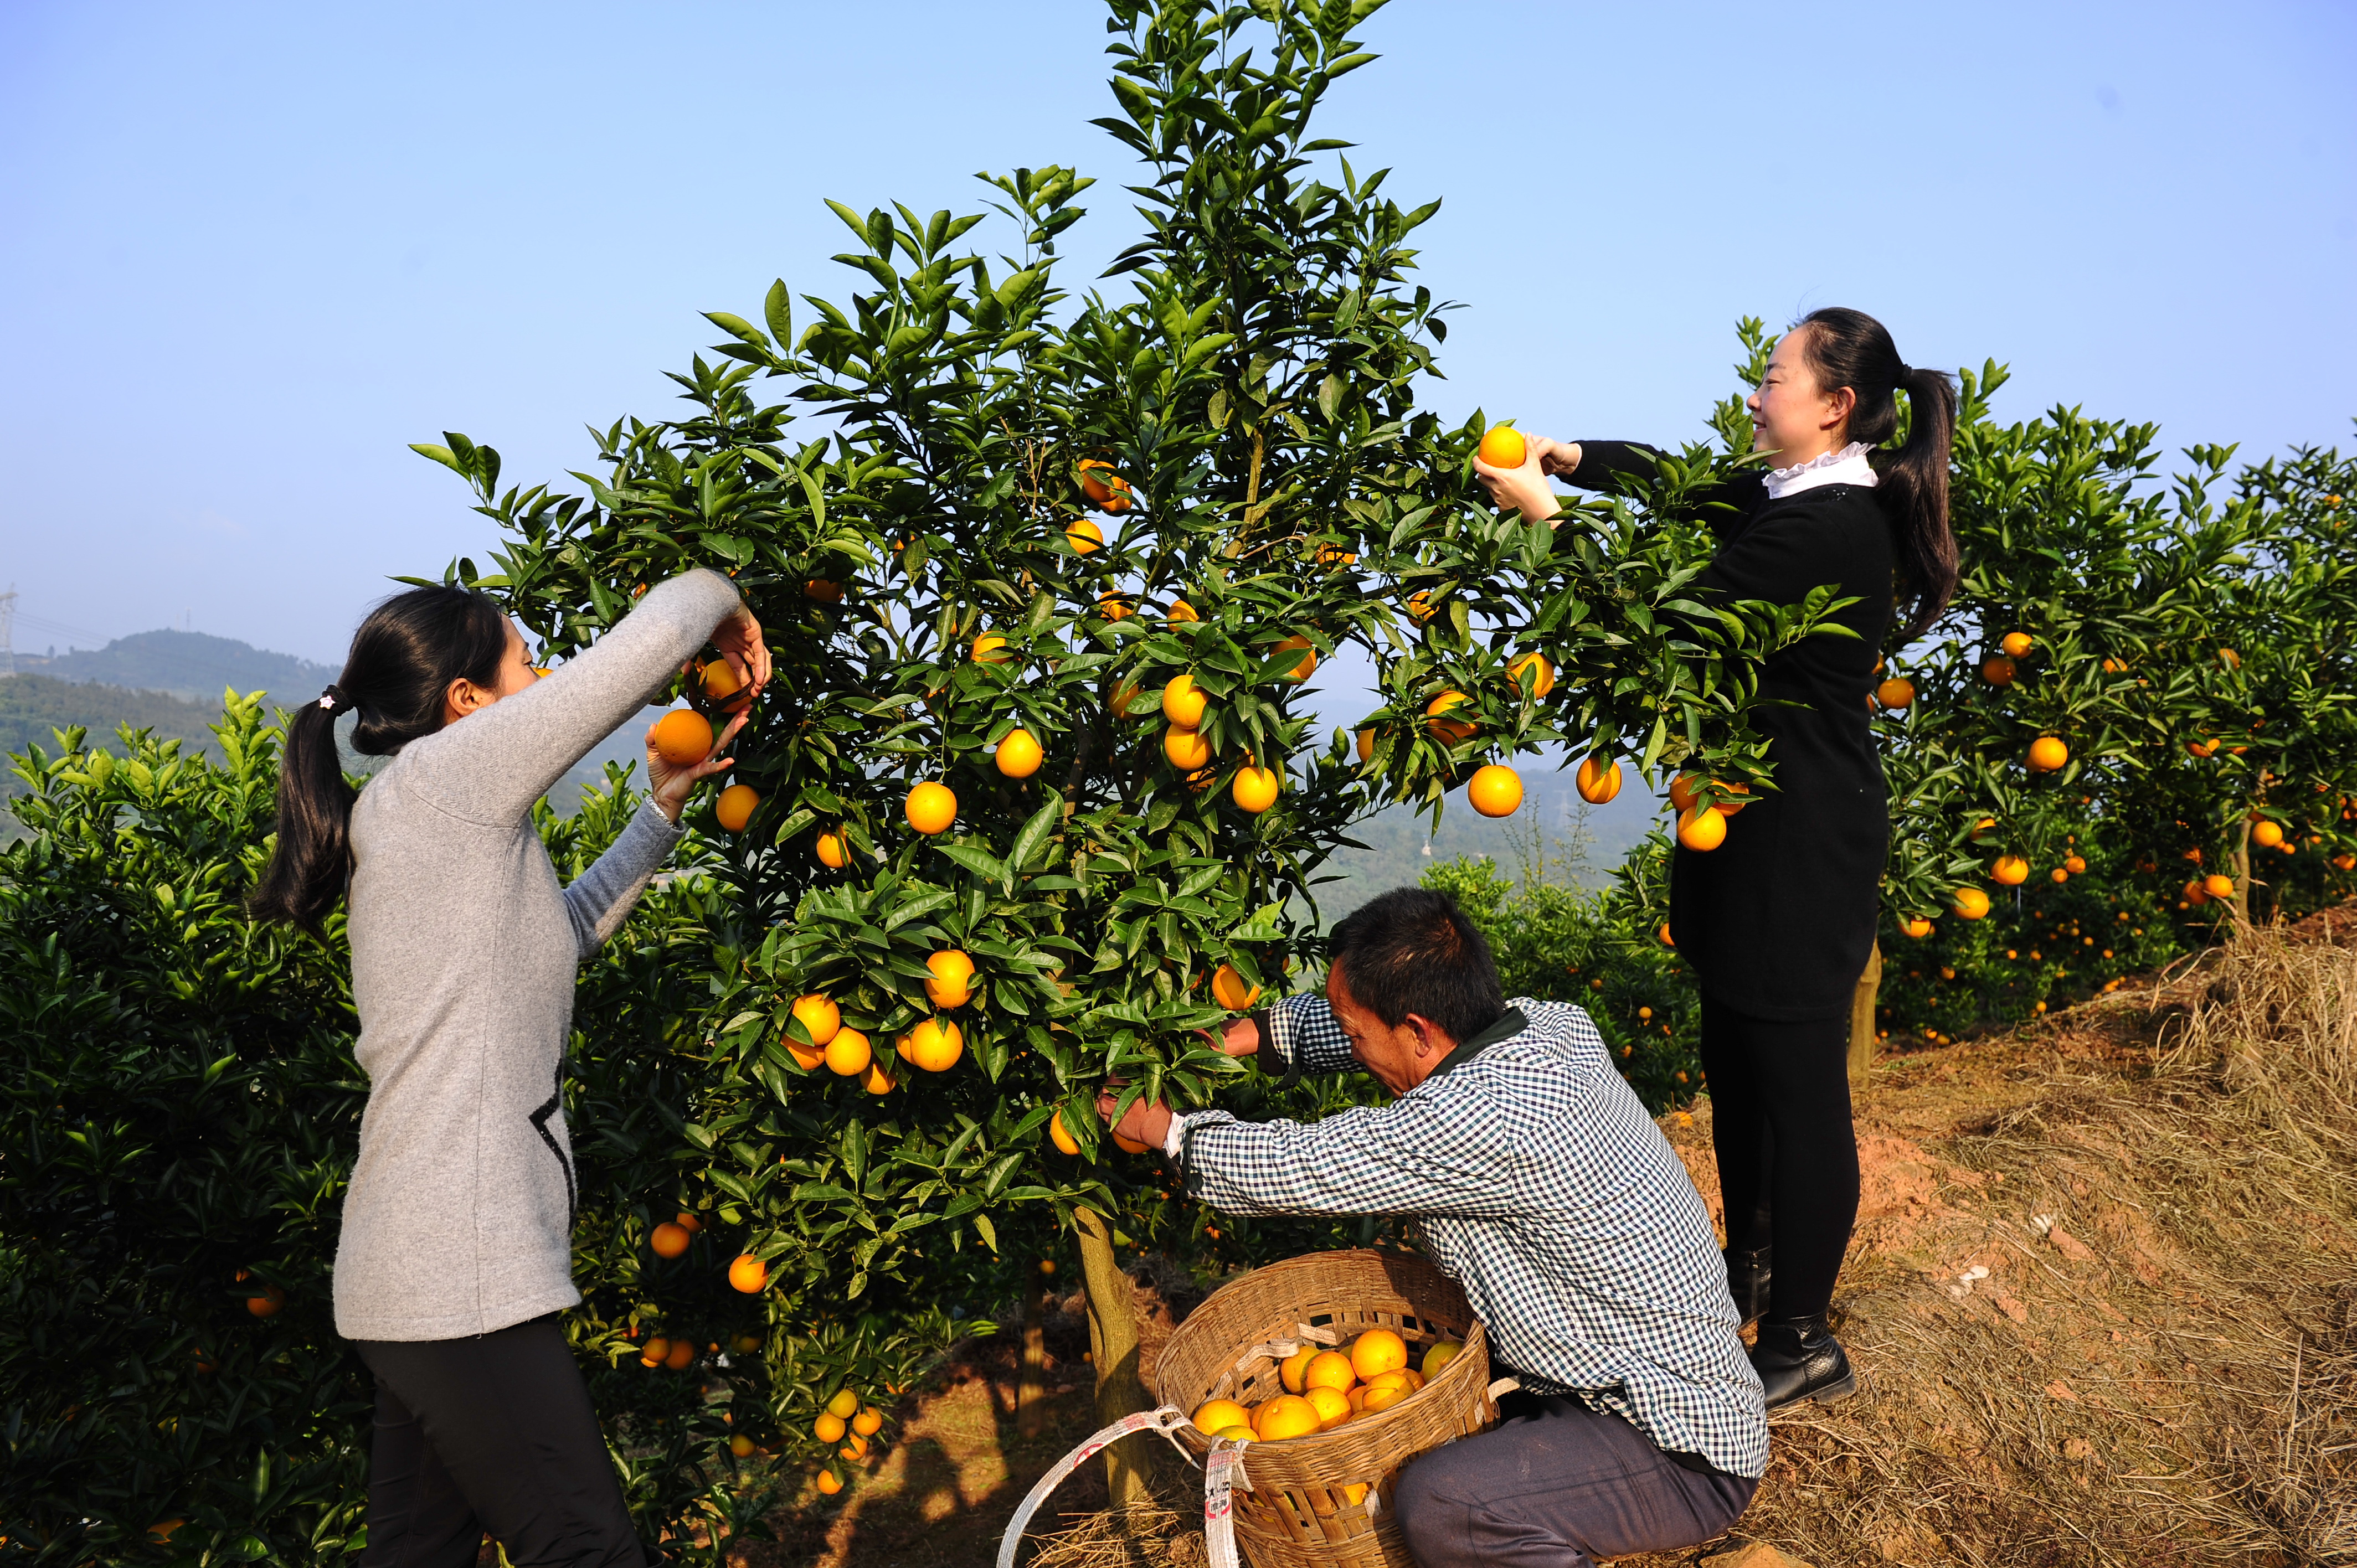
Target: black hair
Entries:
(1413, 951)
(1850, 348)
(403, 659)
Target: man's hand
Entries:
(1148, 1122)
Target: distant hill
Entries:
(191, 665)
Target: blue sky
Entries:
(248, 253)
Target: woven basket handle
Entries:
(1278, 1349)
(1503, 1386)
(1165, 1421)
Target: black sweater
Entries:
(1779, 920)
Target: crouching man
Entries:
(1533, 1177)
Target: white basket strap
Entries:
(1165, 1421)
(1503, 1386)
(1223, 1476)
(1278, 1349)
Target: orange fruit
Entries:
(1541, 684)
(687, 1223)
(820, 1015)
(1216, 1416)
(658, 1349)
(1096, 490)
(1018, 754)
(1304, 665)
(2202, 747)
(1123, 696)
(848, 1054)
(991, 648)
(1286, 1415)
(719, 680)
(1182, 704)
(1186, 748)
(267, 1304)
(1289, 1370)
(932, 808)
(1062, 1135)
(1366, 746)
(2073, 864)
(161, 1531)
(845, 1403)
(1181, 610)
(1970, 903)
(2015, 643)
(1255, 789)
(1702, 830)
(1228, 988)
(1599, 780)
(668, 1239)
(833, 850)
(1448, 732)
(1332, 1405)
(2195, 894)
(950, 977)
(1663, 933)
(1115, 607)
(741, 1446)
(2048, 754)
(934, 1045)
(1440, 1353)
(681, 1356)
(868, 1422)
(1997, 670)
(735, 807)
(1376, 1352)
(1502, 446)
(1682, 792)
(809, 1058)
(2229, 659)
(2011, 870)
(1895, 693)
(2218, 887)
(2060, 875)
(819, 588)
(829, 1483)
(683, 737)
(1129, 1145)
(2266, 834)
(878, 1080)
(1917, 928)
(1383, 1395)
(1240, 1432)
(1421, 608)
(1329, 1369)
(1495, 790)
(1084, 536)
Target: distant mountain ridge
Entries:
(193, 666)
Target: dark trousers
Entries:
(1555, 1485)
(493, 1433)
(1780, 1120)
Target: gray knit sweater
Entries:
(465, 951)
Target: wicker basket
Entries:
(1296, 1515)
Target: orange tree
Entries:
(1041, 799)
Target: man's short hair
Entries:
(1413, 951)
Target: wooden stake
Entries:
(1861, 1017)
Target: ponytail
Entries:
(403, 659)
(1850, 348)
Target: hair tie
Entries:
(1903, 373)
(334, 700)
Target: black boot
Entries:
(1747, 1282)
(1798, 1358)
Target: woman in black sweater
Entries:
(1778, 920)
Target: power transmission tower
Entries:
(9, 631)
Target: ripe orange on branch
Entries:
(1545, 681)
(820, 1015)
(2218, 887)
(668, 1239)
(1701, 829)
(1970, 903)
(1304, 664)
(848, 1054)
(1084, 536)
(932, 808)
(1186, 748)
(1062, 1135)
(2015, 643)
(1997, 671)
(1255, 788)
(1018, 754)
(991, 648)
(1599, 780)
(1895, 693)
(2048, 754)
(1448, 731)
(1230, 990)
(951, 977)
(2011, 870)
(1182, 703)
(2266, 834)
(934, 1045)
(735, 807)
(747, 1274)
(833, 850)
(683, 737)
(1495, 790)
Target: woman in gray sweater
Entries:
(456, 1244)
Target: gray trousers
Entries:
(1555, 1485)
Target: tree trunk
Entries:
(1861, 1017)
(1030, 1387)
(1113, 1342)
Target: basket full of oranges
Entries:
(1339, 1368)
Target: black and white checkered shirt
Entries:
(1533, 1178)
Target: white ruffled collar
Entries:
(1846, 466)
